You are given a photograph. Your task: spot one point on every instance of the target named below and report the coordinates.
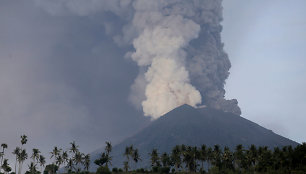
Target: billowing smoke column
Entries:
(177, 46)
(165, 30)
(160, 47)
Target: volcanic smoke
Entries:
(177, 47)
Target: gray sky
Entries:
(266, 42)
(63, 79)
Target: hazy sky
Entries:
(266, 42)
(63, 78)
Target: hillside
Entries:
(190, 126)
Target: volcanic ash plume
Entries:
(160, 47)
(178, 49)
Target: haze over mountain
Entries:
(190, 126)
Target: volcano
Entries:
(190, 126)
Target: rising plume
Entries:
(176, 44)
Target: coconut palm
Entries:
(253, 155)
(104, 159)
(42, 162)
(210, 157)
(70, 165)
(74, 148)
(165, 160)
(1, 157)
(189, 158)
(203, 155)
(65, 157)
(154, 158)
(239, 157)
(21, 158)
(59, 161)
(16, 152)
(176, 157)
(4, 146)
(136, 156)
(32, 168)
(86, 161)
(24, 139)
(217, 156)
(5, 166)
(78, 158)
(35, 155)
(227, 159)
(128, 153)
(126, 166)
(108, 147)
(54, 154)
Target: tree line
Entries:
(72, 160)
(181, 159)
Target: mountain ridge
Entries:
(191, 126)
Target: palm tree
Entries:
(16, 152)
(154, 158)
(59, 161)
(176, 157)
(136, 157)
(24, 139)
(217, 156)
(252, 156)
(42, 161)
(78, 158)
(108, 147)
(5, 166)
(189, 157)
(126, 166)
(74, 147)
(35, 155)
(32, 168)
(70, 164)
(21, 158)
(4, 146)
(210, 157)
(65, 157)
(203, 156)
(165, 159)
(127, 153)
(54, 154)
(227, 159)
(87, 161)
(238, 156)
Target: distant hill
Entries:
(190, 126)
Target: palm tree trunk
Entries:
(20, 168)
(1, 160)
(15, 164)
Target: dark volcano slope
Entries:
(190, 126)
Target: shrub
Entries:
(103, 170)
(155, 169)
(164, 169)
(115, 169)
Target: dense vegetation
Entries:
(182, 159)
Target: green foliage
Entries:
(182, 159)
(115, 170)
(141, 170)
(155, 169)
(164, 170)
(51, 169)
(103, 170)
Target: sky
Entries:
(63, 78)
(265, 41)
